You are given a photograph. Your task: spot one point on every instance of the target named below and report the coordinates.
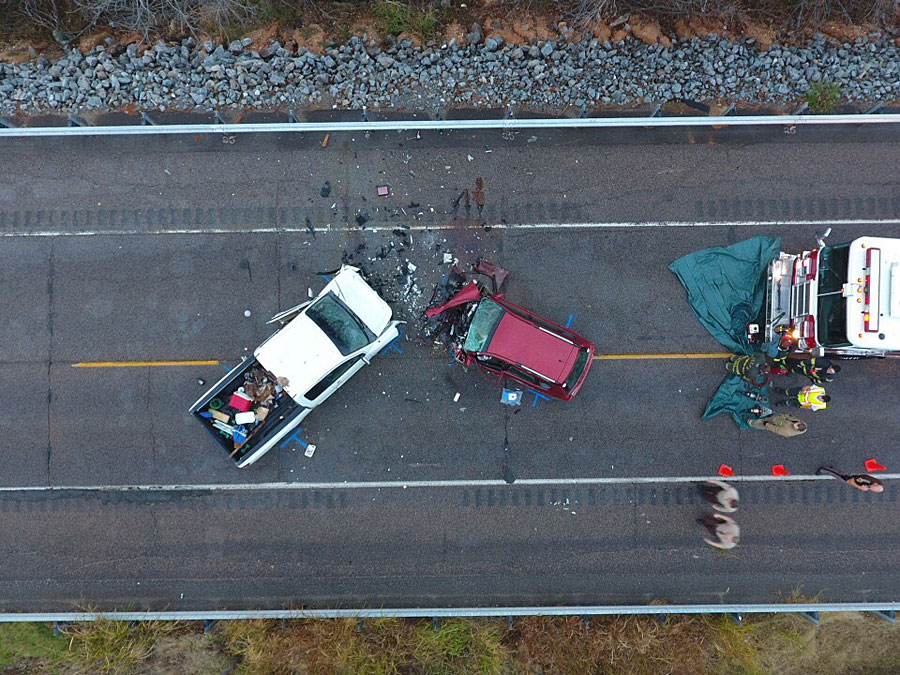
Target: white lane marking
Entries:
(402, 485)
(451, 226)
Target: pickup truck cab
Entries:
(841, 300)
(320, 345)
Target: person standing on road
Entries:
(720, 494)
(478, 195)
(725, 531)
(860, 481)
(783, 425)
(809, 397)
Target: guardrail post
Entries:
(510, 624)
(437, 113)
(875, 109)
(696, 105)
(802, 110)
(887, 614)
(59, 627)
(75, 121)
(359, 624)
(365, 114)
(509, 112)
(208, 625)
(584, 111)
(737, 617)
(436, 623)
(662, 618)
(218, 118)
(292, 117)
(812, 617)
(6, 123)
(657, 111)
(147, 121)
(587, 620)
(730, 110)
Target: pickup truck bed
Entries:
(218, 416)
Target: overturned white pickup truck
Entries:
(841, 300)
(321, 344)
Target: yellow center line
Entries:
(141, 364)
(614, 357)
(177, 364)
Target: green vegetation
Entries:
(822, 97)
(116, 646)
(397, 17)
(774, 644)
(25, 642)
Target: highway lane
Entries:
(558, 176)
(183, 297)
(440, 547)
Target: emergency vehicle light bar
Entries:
(873, 286)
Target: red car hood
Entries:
(519, 341)
(468, 293)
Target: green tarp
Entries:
(730, 398)
(726, 287)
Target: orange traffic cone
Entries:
(873, 465)
(779, 470)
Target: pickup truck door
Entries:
(392, 331)
(349, 366)
(333, 380)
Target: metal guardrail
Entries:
(885, 610)
(142, 127)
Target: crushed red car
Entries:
(506, 341)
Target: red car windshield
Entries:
(484, 323)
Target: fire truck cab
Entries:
(841, 301)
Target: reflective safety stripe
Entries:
(812, 398)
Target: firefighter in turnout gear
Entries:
(819, 371)
(751, 368)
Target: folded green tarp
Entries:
(726, 287)
(731, 398)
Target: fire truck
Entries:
(841, 301)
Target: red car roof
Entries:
(517, 340)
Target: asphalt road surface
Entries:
(150, 250)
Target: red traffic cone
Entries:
(873, 465)
(725, 470)
(779, 470)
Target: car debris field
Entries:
(136, 272)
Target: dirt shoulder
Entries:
(316, 30)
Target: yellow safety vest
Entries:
(812, 398)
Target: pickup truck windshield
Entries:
(341, 325)
(832, 322)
